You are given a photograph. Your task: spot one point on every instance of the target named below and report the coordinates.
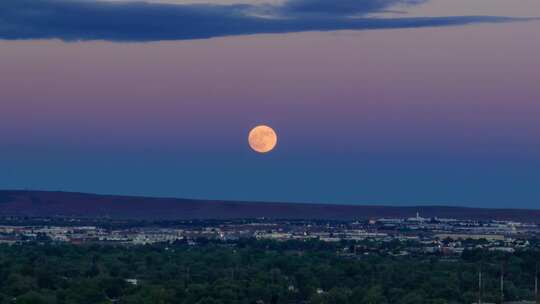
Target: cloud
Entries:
(340, 7)
(73, 20)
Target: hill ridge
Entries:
(88, 205)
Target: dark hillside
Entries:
(40, 203)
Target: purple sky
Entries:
(446, 115)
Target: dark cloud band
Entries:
(73, 20)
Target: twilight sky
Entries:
(374, 101)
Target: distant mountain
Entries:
(68, 204)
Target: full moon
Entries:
(262, 139)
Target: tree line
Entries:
(253, 271)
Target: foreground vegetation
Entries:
(252, 272)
